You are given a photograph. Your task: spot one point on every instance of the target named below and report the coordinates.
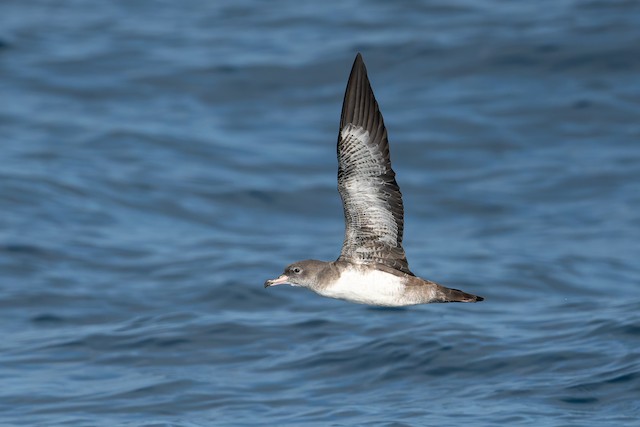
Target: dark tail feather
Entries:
(456, 295)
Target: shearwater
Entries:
(372, 267)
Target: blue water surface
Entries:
(160, 160)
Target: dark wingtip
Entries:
(359, 106)
(478, 299)
(359, 68)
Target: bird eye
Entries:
(296, 270)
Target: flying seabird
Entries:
(372, 267)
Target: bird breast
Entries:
(368, 286)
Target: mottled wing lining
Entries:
(370, 195)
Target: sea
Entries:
(159, 160)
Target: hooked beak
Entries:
(279, 281)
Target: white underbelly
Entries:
(373, 287)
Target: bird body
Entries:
(372, 284)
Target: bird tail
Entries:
(456, 295)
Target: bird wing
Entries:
(371, 198)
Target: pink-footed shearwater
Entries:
(372, 267)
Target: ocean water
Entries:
(160, 160)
